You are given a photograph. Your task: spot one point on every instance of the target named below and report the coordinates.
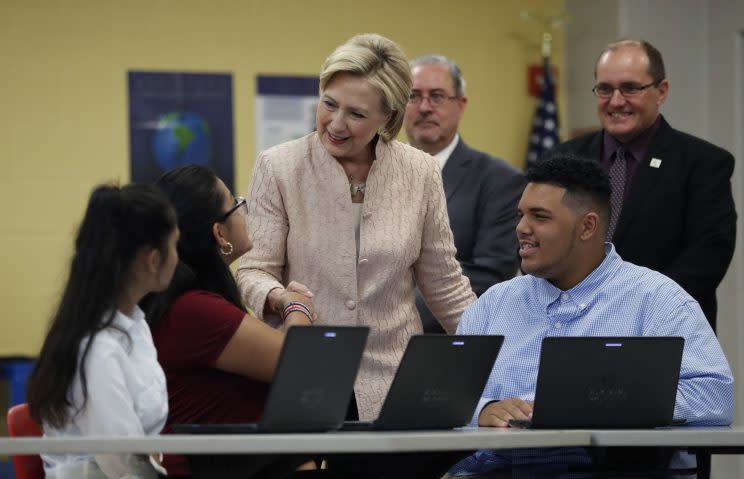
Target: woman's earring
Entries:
(227, 249)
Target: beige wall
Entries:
(63, 99)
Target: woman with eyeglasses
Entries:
(217, 356)
(356, 216)
(97, 372)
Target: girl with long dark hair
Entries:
(217, 356)
(97, 373)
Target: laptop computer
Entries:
(438, 383)
(312, 385)
(606, 382)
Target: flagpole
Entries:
(544, 130)
(547, 22)
(547, 43)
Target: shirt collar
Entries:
(444, 155)
(124, 322)
(637, 146)
(587, 289)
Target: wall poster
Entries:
(285, 109)
(177, 119)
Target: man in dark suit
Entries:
(482, 191)
(673, 210)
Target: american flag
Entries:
(544, 133)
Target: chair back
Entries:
(20, 424)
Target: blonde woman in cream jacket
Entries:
(355, 217)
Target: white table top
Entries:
(331, 442)
(675, 436)
(380, 442)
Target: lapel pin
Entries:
(655, 163)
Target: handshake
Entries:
(294, 304)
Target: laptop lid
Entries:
(607, 382)
(312, 385)
(314, 379)
(439, 382)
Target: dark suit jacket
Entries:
(482, 196)
(679, 218)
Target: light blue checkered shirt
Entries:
(616, 299)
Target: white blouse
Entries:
(127, 396)
(356, 209)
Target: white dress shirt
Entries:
(127, 396)
(444, 155)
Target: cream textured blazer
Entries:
(302, 226)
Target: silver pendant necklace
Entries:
(360, 188)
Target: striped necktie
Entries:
(617, 182)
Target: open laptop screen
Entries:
(312, 385)
(438, 383)
(607, 382)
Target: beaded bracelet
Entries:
(296, 306)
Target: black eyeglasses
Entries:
(604, 90)
(436, 98)
(239, 201)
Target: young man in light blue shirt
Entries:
(575, 284)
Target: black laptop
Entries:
(312, 385)
(606, 382)
(438, 383)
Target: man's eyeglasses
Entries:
(435, 98)
(239, 201)
(603, 90)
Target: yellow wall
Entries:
(63, 99)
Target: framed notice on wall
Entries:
(178, 119)
(285, 109)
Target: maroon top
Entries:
(189, 338)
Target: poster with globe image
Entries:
(178, 119)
